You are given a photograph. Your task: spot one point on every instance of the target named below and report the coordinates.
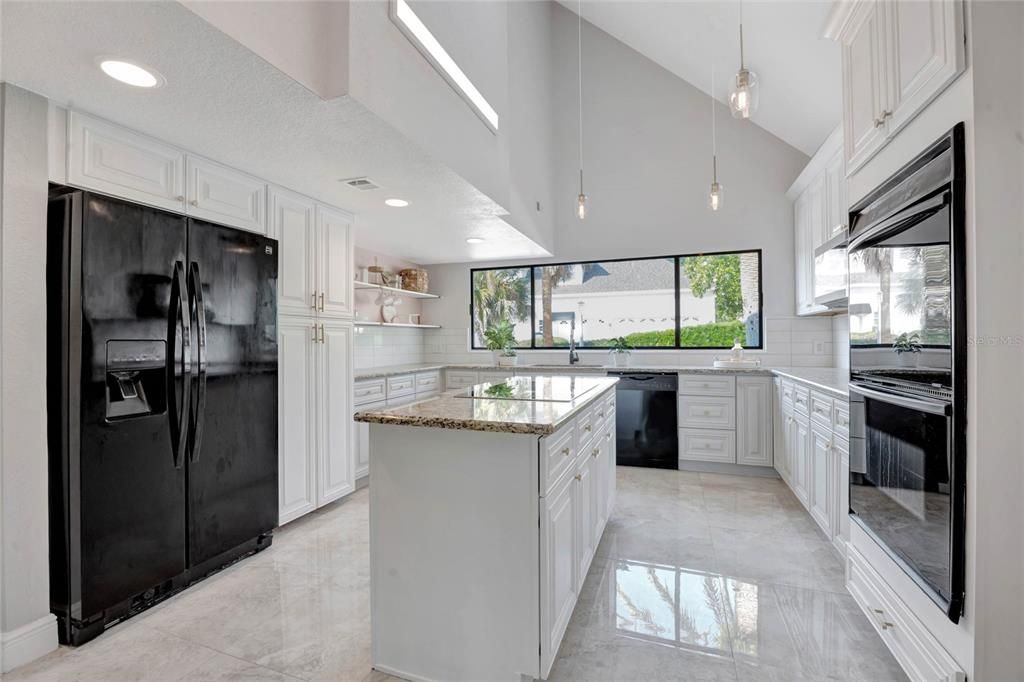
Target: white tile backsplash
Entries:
(385, 346)
(789, 342)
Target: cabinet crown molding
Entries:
(839, 18)
(816, 166)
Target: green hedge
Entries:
(711, 335)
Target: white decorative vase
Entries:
(907, 359)
(620, 359)
(508, 360)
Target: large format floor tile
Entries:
(698, 577)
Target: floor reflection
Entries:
(674, 606)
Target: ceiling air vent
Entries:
(364, 184)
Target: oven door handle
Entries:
(943, 409)
(905, 218)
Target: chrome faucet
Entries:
(574, 357)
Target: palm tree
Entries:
(500, 296)
(551, 276)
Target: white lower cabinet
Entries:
(725, 419)
(362, 430)
(558, 563)
(335, 461)
(315, 462)
(586, 514)
(812, 455)
(820, 491)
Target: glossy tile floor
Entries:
(698, 577)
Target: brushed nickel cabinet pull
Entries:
(321, 301)
(314, 300)
(578, 477)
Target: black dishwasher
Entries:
(646, 419)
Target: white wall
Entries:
(27, 629)
(647, 149)
(996, 323)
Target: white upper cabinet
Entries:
(292, 224)
(334, 262)
(926, 53)
(863, 84)
(117, 161)
(897, 56)
(224, 195)
(335, 457)
(836, 203)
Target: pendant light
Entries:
(715, 195)
(743, 100)
(581, 200)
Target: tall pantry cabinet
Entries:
(317, 462)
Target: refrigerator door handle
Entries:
(178, 415)
(195, 285)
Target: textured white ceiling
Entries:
(798, 69)
(226, 103)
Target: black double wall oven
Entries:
(908, 369)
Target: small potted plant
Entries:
(620, 352)
(907, 346)
(500, 339)
(508, 357)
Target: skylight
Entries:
(425, 41)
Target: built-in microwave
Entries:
(830, 273)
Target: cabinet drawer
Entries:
(707, 413)
(801, 399)
(401, 386)
(558, 453)
(841, 419)
(459, 379)
(428, 382)
(707, 445)
(609, 402)
(787, 393)
(704, 384)
(398, 401)
(821, 409)
(586, 426)
(368, 391)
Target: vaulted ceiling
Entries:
(798, 69)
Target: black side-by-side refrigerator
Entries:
(162, 404)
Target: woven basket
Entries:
(414, 279)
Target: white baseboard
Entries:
(27, 643)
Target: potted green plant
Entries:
(907, 346)
(500, 339)
(620, 352)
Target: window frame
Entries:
(532, 267)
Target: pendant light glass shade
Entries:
(743, 100)
(581, 206)
(715, 196)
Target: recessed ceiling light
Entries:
(397, 203)
(130, 73)
(474, 240)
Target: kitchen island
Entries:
(486, 508)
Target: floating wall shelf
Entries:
(395, 290)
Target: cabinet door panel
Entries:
(754, 421)
(819, 490)
(112, 159)
(334, 243)
(291, 223)
(863, 86)
(585, 516)
(558, 567)
(926, 53)
(297, 418)
(800, 447)
(335, 461)
(362, 435)
(223, 195)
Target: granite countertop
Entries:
(395, 370)
(831, 379)
(531, 417)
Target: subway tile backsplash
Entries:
(789, 342)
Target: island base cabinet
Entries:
(461, 594)
(559, 530)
